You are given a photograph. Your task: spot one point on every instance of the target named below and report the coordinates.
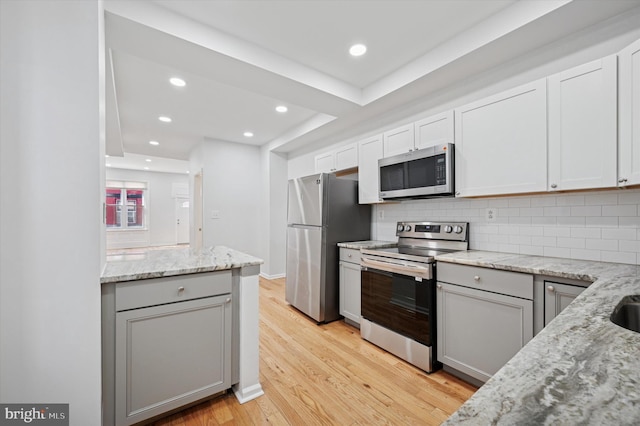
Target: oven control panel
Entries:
(454, 231)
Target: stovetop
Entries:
(423, 241)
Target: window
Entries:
(125, 205)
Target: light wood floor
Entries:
(328, 375)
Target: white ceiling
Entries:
(240, 59)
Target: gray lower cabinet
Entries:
(350, 285)
(171, 344)
(484, 317)
(557, 296)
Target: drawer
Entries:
(504, 282)
(157, 291)
(349, 255)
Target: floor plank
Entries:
(327, 375)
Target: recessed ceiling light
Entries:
(155, 143)
(164, 119)
(282, 108)
(178, 82)
(187, 171)
(106, 155)
(148, 160)
(358, 50)
(108, 164)
(248, 134)
(146, 168)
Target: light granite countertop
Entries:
(580, 369)
(155, 263)
(373, 244)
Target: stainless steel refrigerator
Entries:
(323, 210)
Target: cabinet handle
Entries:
(228, 300)
(180, 290)
(622, 180)
(551, 288)
(439, 286)
(476, 278)
(554, 186)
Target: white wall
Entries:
(51, 147)
(232, 188)
(160, 202)
(274, 213)
(603, 225)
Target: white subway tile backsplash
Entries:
(623, 210)
(618, 234)
(557, 231)
(618, 257)
(602, 221)
(598, 244)
(557, 252)
(593, 226)
(586, 233)
(604, 198)
(557, 211)
(571, 242)
(628, 197)
(570, 200)
(532, 250)
(585, 254)
(586, 211)
(629, 222)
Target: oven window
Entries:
(400, 303)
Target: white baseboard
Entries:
(272, 277)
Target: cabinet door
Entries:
(170, 355)
(350, 291)
(398, 141)
(369, 152)
(629, 115)
(583, 126)
(501, 143)
(346, 157)
(557, 297)
(479, 331)
(325, 163)
(434, 130)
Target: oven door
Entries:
(401, 303)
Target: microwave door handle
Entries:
(410, 270)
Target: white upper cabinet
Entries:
(435, 130)
(369, 152)
(629, 115)
(398, 141)
(345, 157)
(501, 143)
(582, 109)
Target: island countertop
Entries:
(580, 369)
(155, 263)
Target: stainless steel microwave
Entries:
(422, 173)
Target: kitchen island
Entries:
(580, 369)
(178, 326)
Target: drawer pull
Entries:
(180, 290)
(476, 278)
(551, 288)
(228, 300)
(349, 255)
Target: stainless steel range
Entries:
(399, 289)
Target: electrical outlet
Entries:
(491, 214)
(380, 214)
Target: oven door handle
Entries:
(403, 269)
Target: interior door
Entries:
(182, 220)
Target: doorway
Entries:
(182, 220)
